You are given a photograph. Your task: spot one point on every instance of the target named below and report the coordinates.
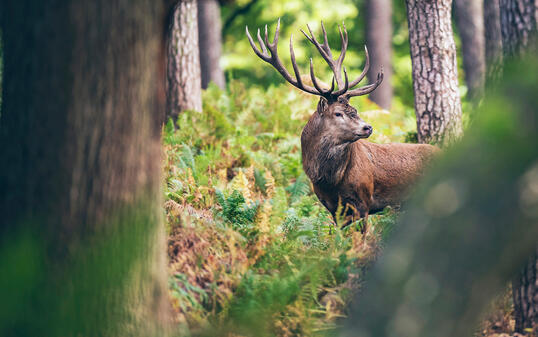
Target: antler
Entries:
(271, 56)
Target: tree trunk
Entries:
(518, 27)
(525, 291)
(435, 71)
(470, 22)
(210, 39)
(518, 23)
(379, 42)
(470, 225)
(494, 43)
(81, 236)
(184, 88)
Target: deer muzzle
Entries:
(364, 131)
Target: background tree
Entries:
(435, 74)
(210, 42)
(81, 236)
(378, 19)
(493, 36)
(470, 23)
(184, 88)
(518, 27)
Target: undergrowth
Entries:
(252, 252)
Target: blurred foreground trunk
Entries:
(184, 86)
(210, 39)
(379, 42)
(435, 71)
(469, 15)
(518, 26)
(470, 226)
(81, 237)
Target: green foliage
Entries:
(253, 242)
(237, 213)
(240, 62)
(299, 188)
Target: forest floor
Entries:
(251, 250)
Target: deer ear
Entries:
(322, 105)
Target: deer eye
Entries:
(338, 114)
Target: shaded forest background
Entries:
(241, 63)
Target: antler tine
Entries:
(346, 85)
(314, 41)
(332, 85)
(274, 60)
(277, 32)
(315, 81)
(368, 88)
(325, 51)
(344, 44)
(326, 42)
(364, 71)
(294, 63)
(261, 55)
(264, 49)
(275, 38)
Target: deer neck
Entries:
(324, 161)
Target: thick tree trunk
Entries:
(435, 71)
(80, 172)
(525, 291)
(184, 87)
(518, 27)
(469, 16)
(210, 39)
(494, 43)
(518, 24)
(379, 42)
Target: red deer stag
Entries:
(361, 176)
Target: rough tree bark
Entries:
(525, 295)
(379, 41)
(469, 15)
(210, 40)
(80, 173)
(435, 72)
(471, 224)
(494, 44)
(184, 87)
(518, 27)
(518, 23)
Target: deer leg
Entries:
(365, 223)
(352, 215)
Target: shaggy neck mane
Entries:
(324, 161)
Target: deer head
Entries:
(334, 112)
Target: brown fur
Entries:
(364, 177)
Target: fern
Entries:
(300, 187)
(237, 213)
(241, 159)
(187, 158)
(259, 180)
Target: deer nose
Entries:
(367, 129)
